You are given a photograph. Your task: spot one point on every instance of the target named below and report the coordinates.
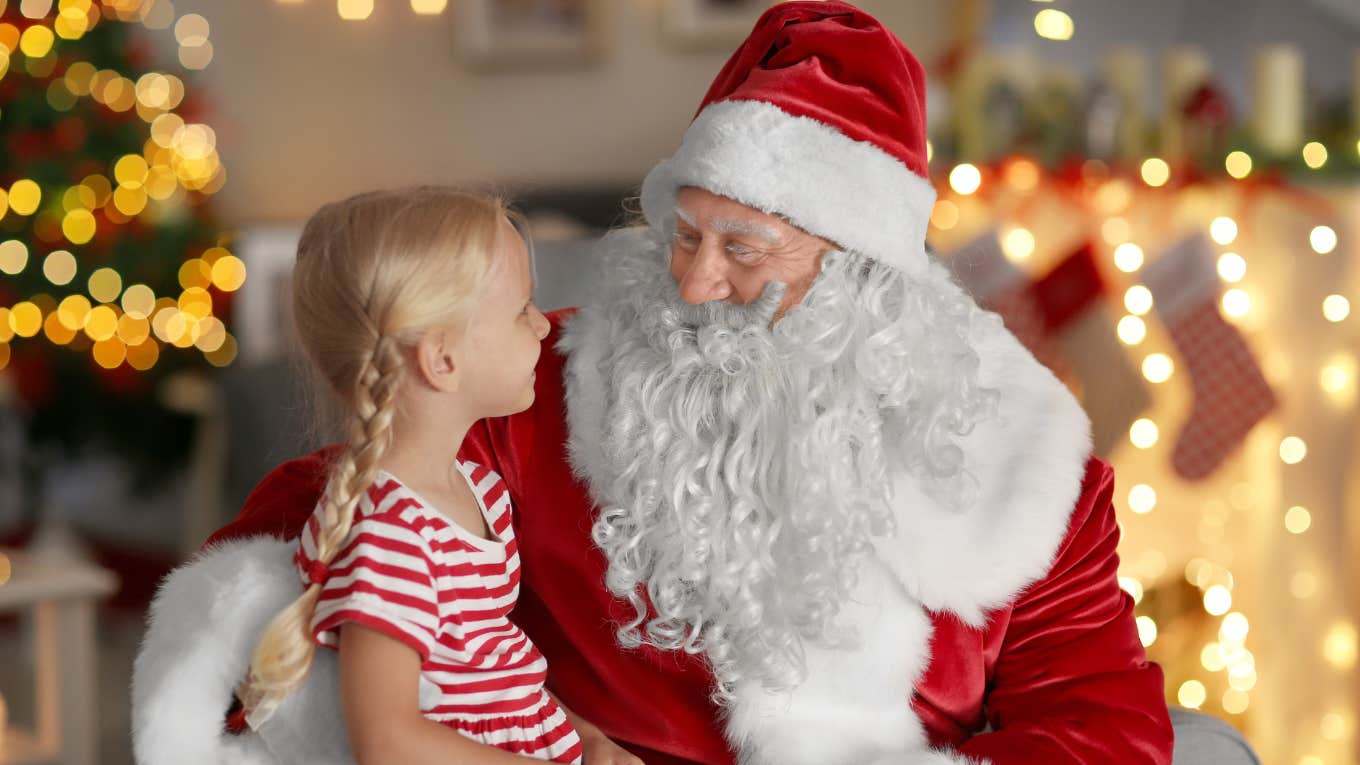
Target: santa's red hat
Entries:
(818, 117)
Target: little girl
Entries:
(415, 308)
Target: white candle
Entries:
(1124, 71)
(1277, 108)
(1183, 71)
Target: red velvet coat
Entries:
(1057, 676)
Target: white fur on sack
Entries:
(204, 624)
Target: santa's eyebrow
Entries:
(732, 226)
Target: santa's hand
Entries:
(599, 749)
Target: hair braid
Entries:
(284, 653)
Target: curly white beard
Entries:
(748, 469)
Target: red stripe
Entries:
(341, 593)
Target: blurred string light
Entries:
(1314, 154)
(177, 158)
(1053, 24)
(1238, 164)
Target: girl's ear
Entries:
(435, 354)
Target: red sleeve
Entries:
(1072, 683)
(282, 502)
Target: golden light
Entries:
(77, 197)
(196, 302)
(1128, 257)
(1155, 171)
(191, 29)
(1114, 230)
(1132, 330)
(429, 7)
(1143, 433)
(1336, 308)
(25, 319)
(195, 273)
(1235, 702)
(1234, 628)
(1314, 154)
(5, 569)
(24, 197)
(133, 330)
(1022, 174)
(1338, 647)
(1238, 164)
(228, 273)
(36, 41)
(1191, 694)
(13, 256)
(1223, 230)
(1311, 759)
(78, 226)
(1322, 238)
(130, 171)
(196, 56)
(1053, 24)
(354, 10)
(1293, 450)
(945, 215)
(1236, 303)
(165, 128)
(101, 323)
(1142, 498)
(4, 199)
(1242, 677)
(72, 311)
(1335, 378)
(160, 323)
(1303, 585)
(1018, 244)
(139, 301)
(1114, 196)
(57, 332)
(1297, 519)
(105, 285)
(1217, 600)
(1138, 300)
(1133, 587)
(1158, 367)
(1232, 268)
(110, 353)
(212, 334)
(223, 356)
(100, 186)
(1335, 726)
(59, 267)
(965, 179)
(143, 355)
(1147, 630)
(35, 9)
(1211, 657)
(129, 201)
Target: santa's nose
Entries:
(704, 277)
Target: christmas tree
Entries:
(114, 275)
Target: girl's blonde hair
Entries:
(373, 273)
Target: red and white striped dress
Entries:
(410, 572)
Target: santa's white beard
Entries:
(748, 469)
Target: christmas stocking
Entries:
(1111, 389)
(1230, 393)
(998, 286)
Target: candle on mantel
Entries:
(1277, 106)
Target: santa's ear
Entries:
(436, 360)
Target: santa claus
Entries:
(788, 496)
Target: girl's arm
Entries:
(380, 690)
(597, 748)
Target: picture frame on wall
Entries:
(710, 24)
(530, 33)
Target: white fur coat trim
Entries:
(1029, 463)
(204, 623)
(850, 192)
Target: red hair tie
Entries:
(317, 571)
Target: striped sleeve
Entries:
(382, 579)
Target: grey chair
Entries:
(1202, 739)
